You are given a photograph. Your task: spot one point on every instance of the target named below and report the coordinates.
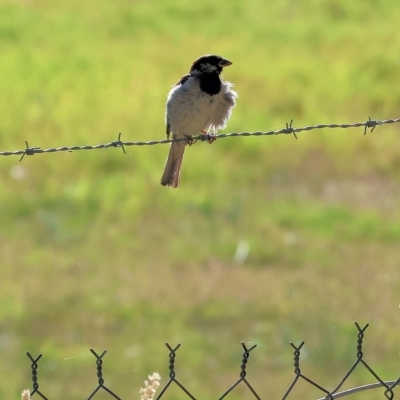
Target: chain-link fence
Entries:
(387, 387)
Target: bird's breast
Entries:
(189, 110)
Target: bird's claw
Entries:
(211, 137)
(189, 139)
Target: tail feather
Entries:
(172, 170)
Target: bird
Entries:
(201, 102)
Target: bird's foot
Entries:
(211, 137)
(189, 139)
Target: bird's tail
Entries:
(172, 170)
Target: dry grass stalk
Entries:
(26, 394)
(150, 387)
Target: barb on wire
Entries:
(29, 151)
(118, 143)
(369, 124)
(289, 129)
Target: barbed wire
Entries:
(288, 130)
(328, 394)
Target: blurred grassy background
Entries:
(96, 254)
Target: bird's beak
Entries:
(224, 63)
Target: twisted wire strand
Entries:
(362, 388)
(288, 130)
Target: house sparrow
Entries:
(199, 101)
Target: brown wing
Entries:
(168, 129)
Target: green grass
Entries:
(96, 254)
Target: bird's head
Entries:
(209, 63)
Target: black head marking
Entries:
(210, 63)
(207, 69)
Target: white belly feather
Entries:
(189, 110)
